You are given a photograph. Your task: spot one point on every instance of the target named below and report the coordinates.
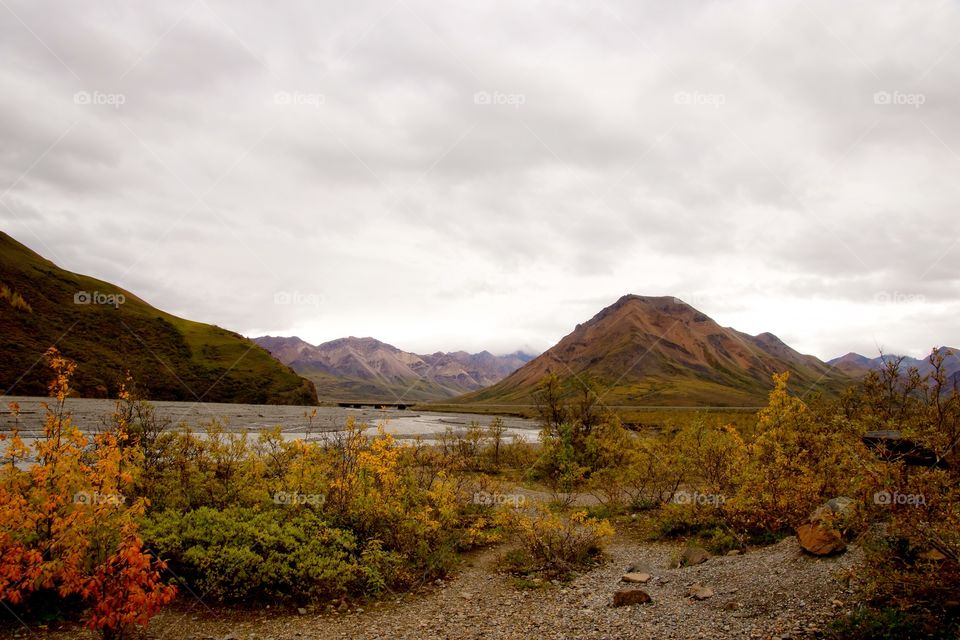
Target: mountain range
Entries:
(108, 331)
(661, 351)
(365, 369)
(638, 351)
(858, 365)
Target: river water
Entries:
(296, 422)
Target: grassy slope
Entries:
(169, 357)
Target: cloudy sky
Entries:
(485, 175)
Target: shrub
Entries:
(68, 525)
(241, 555)
(556, 544)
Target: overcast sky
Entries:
(484, 175)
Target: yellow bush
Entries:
(558, 543)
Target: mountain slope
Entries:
(365, 369)
(170, 358)
(661, 351)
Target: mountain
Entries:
(108, 331)
(858, 365)
(365, 369)
(661, 351)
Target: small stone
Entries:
(700, 592)
(302, 611)
(734, 552)
(466, 595)
(933, 555)
(636, 578)
(630, 597)
(837, 603)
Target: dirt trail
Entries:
(775, 591)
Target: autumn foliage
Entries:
(67, 528)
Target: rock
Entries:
(630, 597)
(837, 603)
(932, 554)
(819, 539)
(835, 509)
(699, 592)
(734, 552)
(693, 555)
(466, 595)
(637, 578)
(302, 611)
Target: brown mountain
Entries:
(370, 370)
(661, 351)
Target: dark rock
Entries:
(630, 597)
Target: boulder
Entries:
(630, 597)
(819, 540)
(693, 555)
(834, 509)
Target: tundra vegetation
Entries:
(109, 528)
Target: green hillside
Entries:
(169, 358)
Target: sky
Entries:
(485, 175)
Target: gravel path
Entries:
(773, 592)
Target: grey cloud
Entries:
(734, 151)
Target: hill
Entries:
(108, 331)
(653, 351)
(365, 369)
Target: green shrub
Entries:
(240, 554)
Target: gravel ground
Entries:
(772, 592)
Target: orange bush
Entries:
(66, 528)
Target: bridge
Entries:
(375, 405)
